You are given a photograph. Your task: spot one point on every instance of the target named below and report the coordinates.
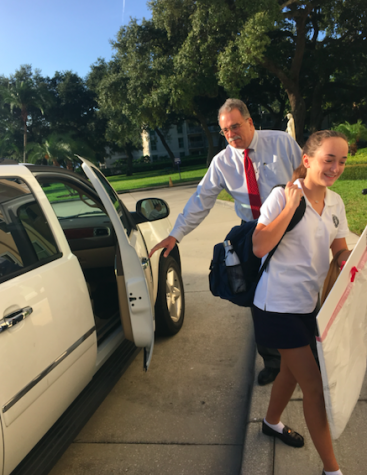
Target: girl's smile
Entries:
(328, 163)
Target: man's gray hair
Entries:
(231, 104)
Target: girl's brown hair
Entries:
(313, 143)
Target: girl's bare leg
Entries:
(300, 366)
(283, 388)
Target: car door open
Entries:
(135, 305)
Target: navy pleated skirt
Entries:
(284, 330)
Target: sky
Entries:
(62, 35)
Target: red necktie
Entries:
(252, 188)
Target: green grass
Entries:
(156, 178)
(355, 203)
(351, 194)
(223, 195)
(56, 192)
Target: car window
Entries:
(26, 240)
(69, 201)
(115, 200)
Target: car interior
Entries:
(26, 240)
(92, 240)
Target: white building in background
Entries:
(184, 140)
(110, 160)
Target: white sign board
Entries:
(342, 341)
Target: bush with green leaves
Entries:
(354, 133)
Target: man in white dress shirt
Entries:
(274, 156)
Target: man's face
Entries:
(242, 136)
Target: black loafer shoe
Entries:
(267, 375)
(288, 436)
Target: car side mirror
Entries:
(152, 209)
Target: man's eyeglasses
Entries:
(231, 128)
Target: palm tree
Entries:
(60, 149)
(8, 148)
(22, 94)
(354, 133)
(10, 139)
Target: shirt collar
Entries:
(254, 141)
(330, 197)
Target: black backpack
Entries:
(241, 240)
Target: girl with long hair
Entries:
(285, 303)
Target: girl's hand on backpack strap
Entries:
(293, 195)
(265, 238)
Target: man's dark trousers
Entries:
(271, 356)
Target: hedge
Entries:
(355, 172)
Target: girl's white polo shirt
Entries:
(298, 268)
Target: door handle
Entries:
(14, 318)
(144, 262)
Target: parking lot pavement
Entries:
(188, 413)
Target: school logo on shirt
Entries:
(335, 221)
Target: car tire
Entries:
(170, 303)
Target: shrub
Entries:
(354, 133)
(355, 172)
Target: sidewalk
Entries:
(264, 455)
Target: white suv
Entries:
(75, 281)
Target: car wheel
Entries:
(170, 303)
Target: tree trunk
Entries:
(298, 111)
(25, 143)
(296, 100)
(221, 145)
(316, 113)
(290, 80)
(69, 165)
(276, 117)
(165, 145)
(208, 135)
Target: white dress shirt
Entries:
(274, 155)
(298, 268)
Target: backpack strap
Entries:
(298, 215)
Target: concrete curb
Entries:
(248, 402)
